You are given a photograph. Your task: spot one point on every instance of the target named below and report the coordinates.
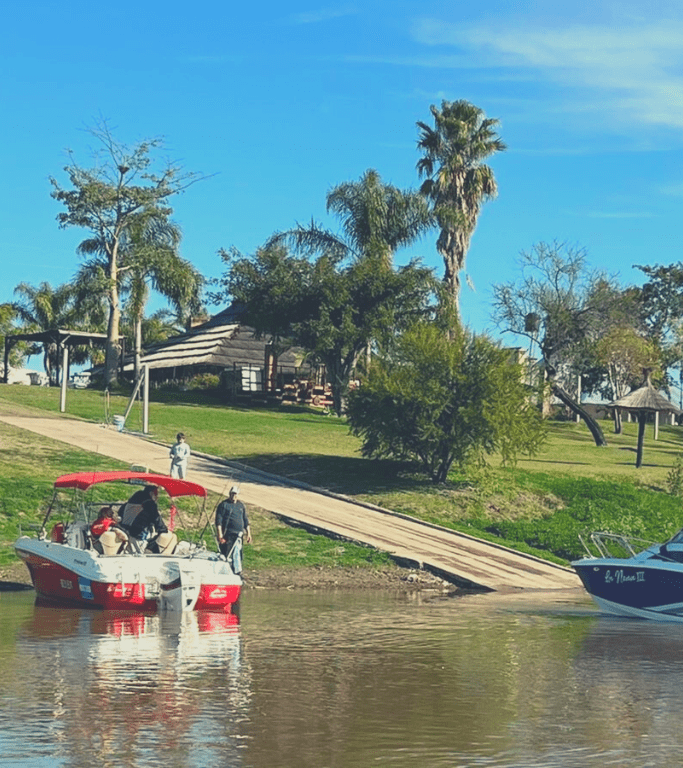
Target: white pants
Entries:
(179, 470)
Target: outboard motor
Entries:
(178, 589)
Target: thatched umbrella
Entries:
(643, 402)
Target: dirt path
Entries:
(456, 557)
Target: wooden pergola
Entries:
(63, 339)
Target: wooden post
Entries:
(270, 365)
(65, 376)
(656, 425)
(145, 399)
(7, 348)
(642, 420)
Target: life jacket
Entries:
(101, 525)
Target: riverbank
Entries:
(541, 507)
(15, 577)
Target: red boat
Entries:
(70, 566)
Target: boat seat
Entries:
(111, 542)
(77, 535)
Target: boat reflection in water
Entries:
(628, 678)
(117, 685)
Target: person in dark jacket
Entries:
(232, 524)
(140, 516)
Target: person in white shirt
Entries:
(180, 453)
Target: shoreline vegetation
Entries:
(541, 506)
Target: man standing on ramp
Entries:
(232, 525)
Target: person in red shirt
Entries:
(105, 534)
(104, 522)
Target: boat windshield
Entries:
(677, 538)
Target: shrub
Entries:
(204, 381)
(674, 480)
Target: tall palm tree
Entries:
(455, 179)
(154, 263)
(148, 259)
(376, 220)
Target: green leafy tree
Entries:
(662, 312)
(443, 398)
(456, 180)
(573, 307)
(623, 354)
(348, 297)
(330, 309)
(18, 352)
(662, 298)
(106, 200)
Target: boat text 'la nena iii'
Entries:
(631, 577)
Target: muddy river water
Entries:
(341, 680)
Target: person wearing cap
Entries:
(232, 525)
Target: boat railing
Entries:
(35, 528)
(614, 545)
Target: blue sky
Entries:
(278, 102)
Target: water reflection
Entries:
(310, 680)
(127, 689)
(628, 675)
(418, 682)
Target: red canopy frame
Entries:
(173, 486)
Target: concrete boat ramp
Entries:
(457, 558)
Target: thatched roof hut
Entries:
(643, 402)
(646, 398)
(221, 343)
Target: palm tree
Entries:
(17, 352)
(456, 180)
(161, 325)
(376, 220)
(44, 308)
(155, 263)
(148, 258)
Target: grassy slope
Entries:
(29, 464)
(541, 505)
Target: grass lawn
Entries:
(30, 463)
(541, 505)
